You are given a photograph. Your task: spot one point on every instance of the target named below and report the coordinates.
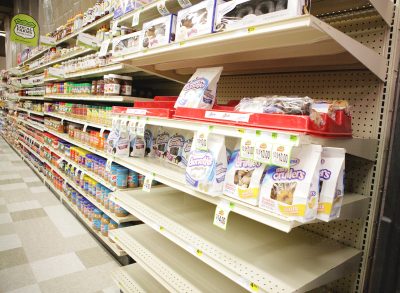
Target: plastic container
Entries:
(97, 215)
(111, 226)
(133, 179)
(119, 211)
(105, 221)
(122, 177)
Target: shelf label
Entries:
(136, 111)
(280, 155)
(251, 29)
(104, 47)
(140, 127)
(84, 127)
(201, 139)
(184, 3)
(221, 214)
(247, 284)
(108, 165)
(237, 117)
(135, 18)
(162, 8)
(88, 41)
(114, 26)
(102, 131)
(47, 41)
(247, 146)
(82, 175)
(148, 180)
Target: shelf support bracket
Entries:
(385, 9)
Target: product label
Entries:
(280, 155)
(262, 152)
(135, 18)
(247, 148)
(104, 47)
(140, 128)
(201, 140)
(162, 8)
(222, 213)
(184, 3)
(227, 116)
(148, 182)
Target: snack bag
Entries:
(243, 178)
(159, 149)
(122, 143)
(174, 149)
(137, 143)
(186, 152)
(331, 188)
(206, 170)
(200, 91)
(293, 192)
(113, 137)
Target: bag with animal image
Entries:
(293, 192)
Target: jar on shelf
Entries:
(105, 221)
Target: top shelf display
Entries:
(295, 44)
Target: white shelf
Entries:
(173, 267)
(58, 60)
(247, 252)
(30, 111)
(37, 55)
(76, 120)
(31, 151)
(34, 125)
(174, 176)
(114, 99)
(134, 279)
(360, 147)
(38, 98)
(30, 137)
(297, 44)
(96, 72)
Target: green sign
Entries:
(25, 30)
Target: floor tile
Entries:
(93, 256)
(3, 209)
(16, 277)
(12, 257)
(5, 218)
(88, 281)
(35, 184)
(10, 176)
(9, 181)
(23, 205)
(9, 241)
(28, 214)
(29, 179)
(27, 289)
(2, 201)
(112, 289)
(56, 266)
(7, 228)
(38, 189)
(13, 186)
(64, 221)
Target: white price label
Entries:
(148, 180)
(280, 155)
(221, 214)
(247, 147)
(162, 8)
(85, 127)
(237, 117)
(140, 128)
(262, 151)
(82, 175)
(114, 26)
(136, 111)
(201, 139)
(102, 131)
(104, 47)
(48, 41)
(135, 18)
(108, 165)
(88, 41)
(184, 3)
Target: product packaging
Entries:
(137, 143)
(126, 44)
(187, 146)
(195, 20)
(113, 137)
(206, 169)
(121, 148)
(200, 91)
(331, 186)
(160, 31)
(293, 192)
(243, 178)
(243, 13)
(175, 149)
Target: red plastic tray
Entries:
(149, 111)
(341, 126)
(166, 98)
(155, 104)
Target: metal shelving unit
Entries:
(108, 99)
(170, 265)
(247, 252)
(76, 120)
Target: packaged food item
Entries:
(121, 147)
(206, 170)
(160, 31)
(195, 20)
(133, 179)
(127, 44)
(115, 85)
(276, 105)
(160, 145)
(331, 186)
(241, 13)
(174, 149)
(243, 178)
(186, 152)
(200, 91)
(293, 192)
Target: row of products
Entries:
(36, 91)
(31, 80)
(91, 113)
(206, 17)
(111, 85)
(33, 132)
(29, 105)
(85, 63)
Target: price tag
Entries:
(102, 131)
(88, 41)
(237, 117)
(280, 155)
(84, 127)
(104, 47)
(184, 3)
(247, 284)
(47, 41)
(162, 8)
(251, 29)
(247, 147)
(114, 27)
(140, 127)
(201, 139)
(108, 165)
(135, 18)
(76, 172)
(221, 214)
(147, 182)
(82, 174)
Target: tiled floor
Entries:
(43, 248)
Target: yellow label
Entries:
(240, 130)
(251, 29)
(293, 210)
(181, 43)
(161, 228)
(324, 208)
(199, 252)
(248, 192)
(254, 287)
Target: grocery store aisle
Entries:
(43, 248)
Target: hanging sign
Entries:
(25, 30)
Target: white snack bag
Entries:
(206, 170)
(113, 137)
(243, 178)
(331, 188)
(137, 143)
(187, 146)
(293, 192)
(122, 144)
(200, 91)
(175, 148)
